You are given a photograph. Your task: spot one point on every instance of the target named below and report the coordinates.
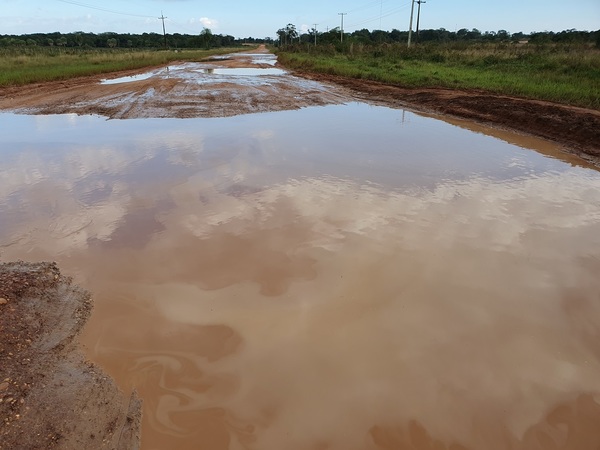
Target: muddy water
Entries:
(345, 277)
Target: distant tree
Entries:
(291, 32)
(206, 37)
(111, 42)
(397, 35)
(541, 38)
(380, 36)
(79, 39)
(288, 34)
(516, 37)
(462, 34)
(281, 36)
(474, 34)
(502, 35)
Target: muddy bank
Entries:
(50, 396)
(576, 129)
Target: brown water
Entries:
(347, 277)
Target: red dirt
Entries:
(50, 396)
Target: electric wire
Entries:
(387, 13)
(370, 5)
(97, 8)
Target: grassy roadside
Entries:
(564, 74)
(23, 66)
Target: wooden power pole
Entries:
(342, 29)
(162, 17)
(412, 11)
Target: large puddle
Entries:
(344, 277)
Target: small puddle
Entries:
(341, 277)
(245, 71)
(129, 79)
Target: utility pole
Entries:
(342, 29)
(419, 17)
(162, 17)
(412, 10)
(316, 33)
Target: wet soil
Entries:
(50, 396)
(179, 93)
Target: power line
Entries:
(387, 13)
(370, 5)
(84, 5)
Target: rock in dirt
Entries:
(50, 396)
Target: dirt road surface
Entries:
(254, 82)
(240, 83)
(50, 397)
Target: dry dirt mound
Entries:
(50, 397)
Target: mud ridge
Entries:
(50, 396)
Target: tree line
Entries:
(205, 39)
(290, 35)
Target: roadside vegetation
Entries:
(24, 65)
(564, 71)
(31, 58)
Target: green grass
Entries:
(562, 74)
(32, 65)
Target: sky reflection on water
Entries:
(345, 277)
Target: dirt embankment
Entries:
(50, 396)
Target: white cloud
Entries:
(206, 22)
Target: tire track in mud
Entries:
(181, 91)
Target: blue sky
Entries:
(244, 18)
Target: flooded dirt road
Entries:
(252, 81)
(223, 86)
(339, 277)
